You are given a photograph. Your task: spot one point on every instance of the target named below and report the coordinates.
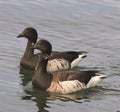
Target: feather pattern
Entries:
(57, 65)
(66, 86)
(71, 81)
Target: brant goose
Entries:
(63, 82)
(69, 59)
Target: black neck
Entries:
(41, 78)
(42, 64)
(29, 52)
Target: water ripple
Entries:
(91, 26)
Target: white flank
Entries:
(77, 60)
(66, 87)
(57, 65)
(95, 80)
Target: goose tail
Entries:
(95, 80)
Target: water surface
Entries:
(92, 26)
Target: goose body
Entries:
(63, 82)
(57, 61)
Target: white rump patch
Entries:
(65, 87)
(95, 80)
(57, 65)
(77, 60)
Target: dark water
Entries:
(90, 25)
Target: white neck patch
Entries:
(46, 56)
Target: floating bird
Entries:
(63, 82)
(57, 60)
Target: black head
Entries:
(44, 46)
(29, 33)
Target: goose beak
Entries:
(20, 35)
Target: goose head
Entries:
(44, 46)
(29, 33)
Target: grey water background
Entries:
(87, 25)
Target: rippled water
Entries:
(90, 25)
